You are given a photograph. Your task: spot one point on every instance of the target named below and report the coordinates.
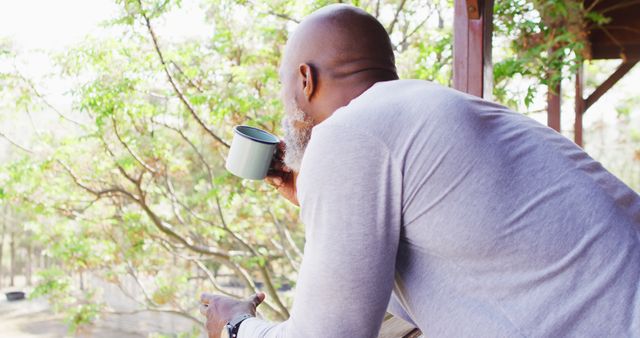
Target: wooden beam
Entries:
(473, 9)
(487, 44)
(472, 67)
(619, 38)
(623, 69)
(579, 105)
(554, 103)
(553, 108)
(460, 46)
(554, 97)
(614, 51)
(394, 327)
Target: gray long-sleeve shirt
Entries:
(462, 217)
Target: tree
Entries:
(135, 188)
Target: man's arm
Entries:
(350, 192)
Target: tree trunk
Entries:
(12, 253)
(28, 263)
(4, 227)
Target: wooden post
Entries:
(580, 105)
(554, 103)
(473, 27)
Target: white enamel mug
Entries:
(251, 152)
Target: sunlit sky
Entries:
(52, 24)
(57, 24)
(38, 27)
(48, 25)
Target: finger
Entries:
(283, 167)
(203, 309)
(205, 298)
(279, 165)
(269, 180)
(282, 146)
(279, 154)
(257, 298)
(273, 174)
(280, 150)
(275, 181)
(276, 165)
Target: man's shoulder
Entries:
(391, 110)
(387, 102)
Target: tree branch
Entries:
(126, 146)
(262, 267)
(191, 83)
(396, 17)
(122, 171)
(285, 237)
(97, 193)
(16, 144)
(277, 14)
(407, 36)
(175, 312)
(37, 93)
(193, 146)
(173, 83)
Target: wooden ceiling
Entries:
(620, 38)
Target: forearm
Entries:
(258, 328)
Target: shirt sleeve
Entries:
(349, 190)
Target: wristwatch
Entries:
(233, 326)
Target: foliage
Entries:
(81, 306)
(548, 40)
(135, 188)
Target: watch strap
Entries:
(233, 326)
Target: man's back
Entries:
(462, 217)
(508, 228)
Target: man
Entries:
(454, 213)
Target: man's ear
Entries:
(308, 80)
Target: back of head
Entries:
(335, 54)
(342, 41)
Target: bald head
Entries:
(335, 54)
(342, 40)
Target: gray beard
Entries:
(297, 133)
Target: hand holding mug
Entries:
(282, 177)
(256, 154)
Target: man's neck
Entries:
(347, 91)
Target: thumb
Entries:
(258, 298)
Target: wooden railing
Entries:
(394, 327)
